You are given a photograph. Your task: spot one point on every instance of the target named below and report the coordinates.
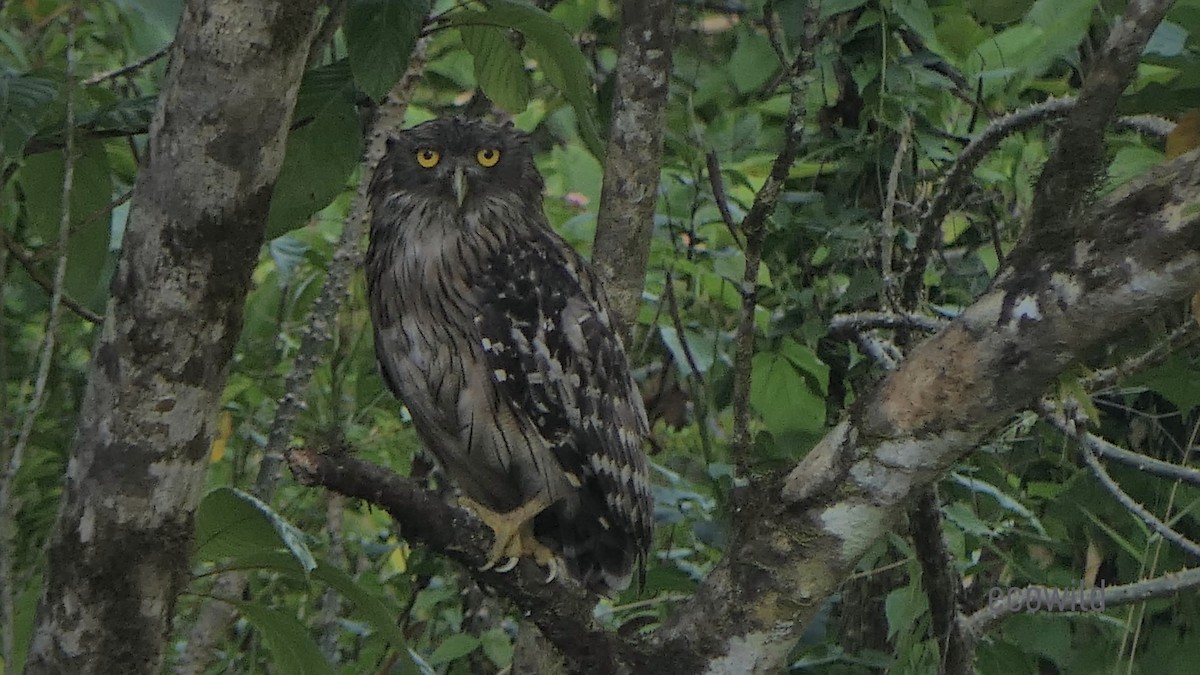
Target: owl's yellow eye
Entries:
(487, 157)
(428, 158)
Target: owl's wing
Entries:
(550, 344)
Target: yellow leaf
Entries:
(953, 226)
(224, 432)
(1185, 135)
(399, 558)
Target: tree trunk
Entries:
(118, 556)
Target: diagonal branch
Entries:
(1166, 585)
(562, 612)
(997, 357)
(1078, 158)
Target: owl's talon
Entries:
(553, 566)
(512, 535)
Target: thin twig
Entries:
(887, 221)
(884, 355)
(754, 227)
(26, 260)
(699, 389)
(1166, 585)
(8, 477)
(1183, 335)
(720, 196)
(1075, 430)
(1155, 467)
(950, 190)
(129, 68)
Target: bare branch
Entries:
(950, 190)
(1103, 448)
(887, 222)
(1075, 430)
(942, 584)
(1168, 584)
(860, 321)
(754, 228)
(1078, 157)
(625, 222)
(130, 67)
(562, 612)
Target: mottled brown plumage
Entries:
(497, 337)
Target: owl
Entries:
(497, 337)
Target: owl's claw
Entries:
(513, 536)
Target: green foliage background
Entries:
(336, 589)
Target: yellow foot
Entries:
(513, 535)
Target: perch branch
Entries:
(562, 612)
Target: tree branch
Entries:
(942, 584)
(625, 222)
(1162, 586)
(215, 616)
(1078, 158)
(803, 536)
(138, 459)
(563, 612)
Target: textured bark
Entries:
(634, 156)
(118, 556)
(1045, 309)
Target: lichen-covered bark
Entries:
(1043, 311)
(118, 556)
(634, 156)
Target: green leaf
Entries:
(700, 347)
(23, 102)
(232, 523)
(292, 648)
(380, 35)
(555, 51)
(1177, 379)
(830, 7)
(499, 68)
(808, 362)
(88, 255)
(369, 605)
(917, 16)
(753, 63)
(454, 647)
(497, 646)
(321, 155)
(782, 396)
(902, 607)
(1064, 24)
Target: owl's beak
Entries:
(459, 184)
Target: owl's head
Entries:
(462, 162)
